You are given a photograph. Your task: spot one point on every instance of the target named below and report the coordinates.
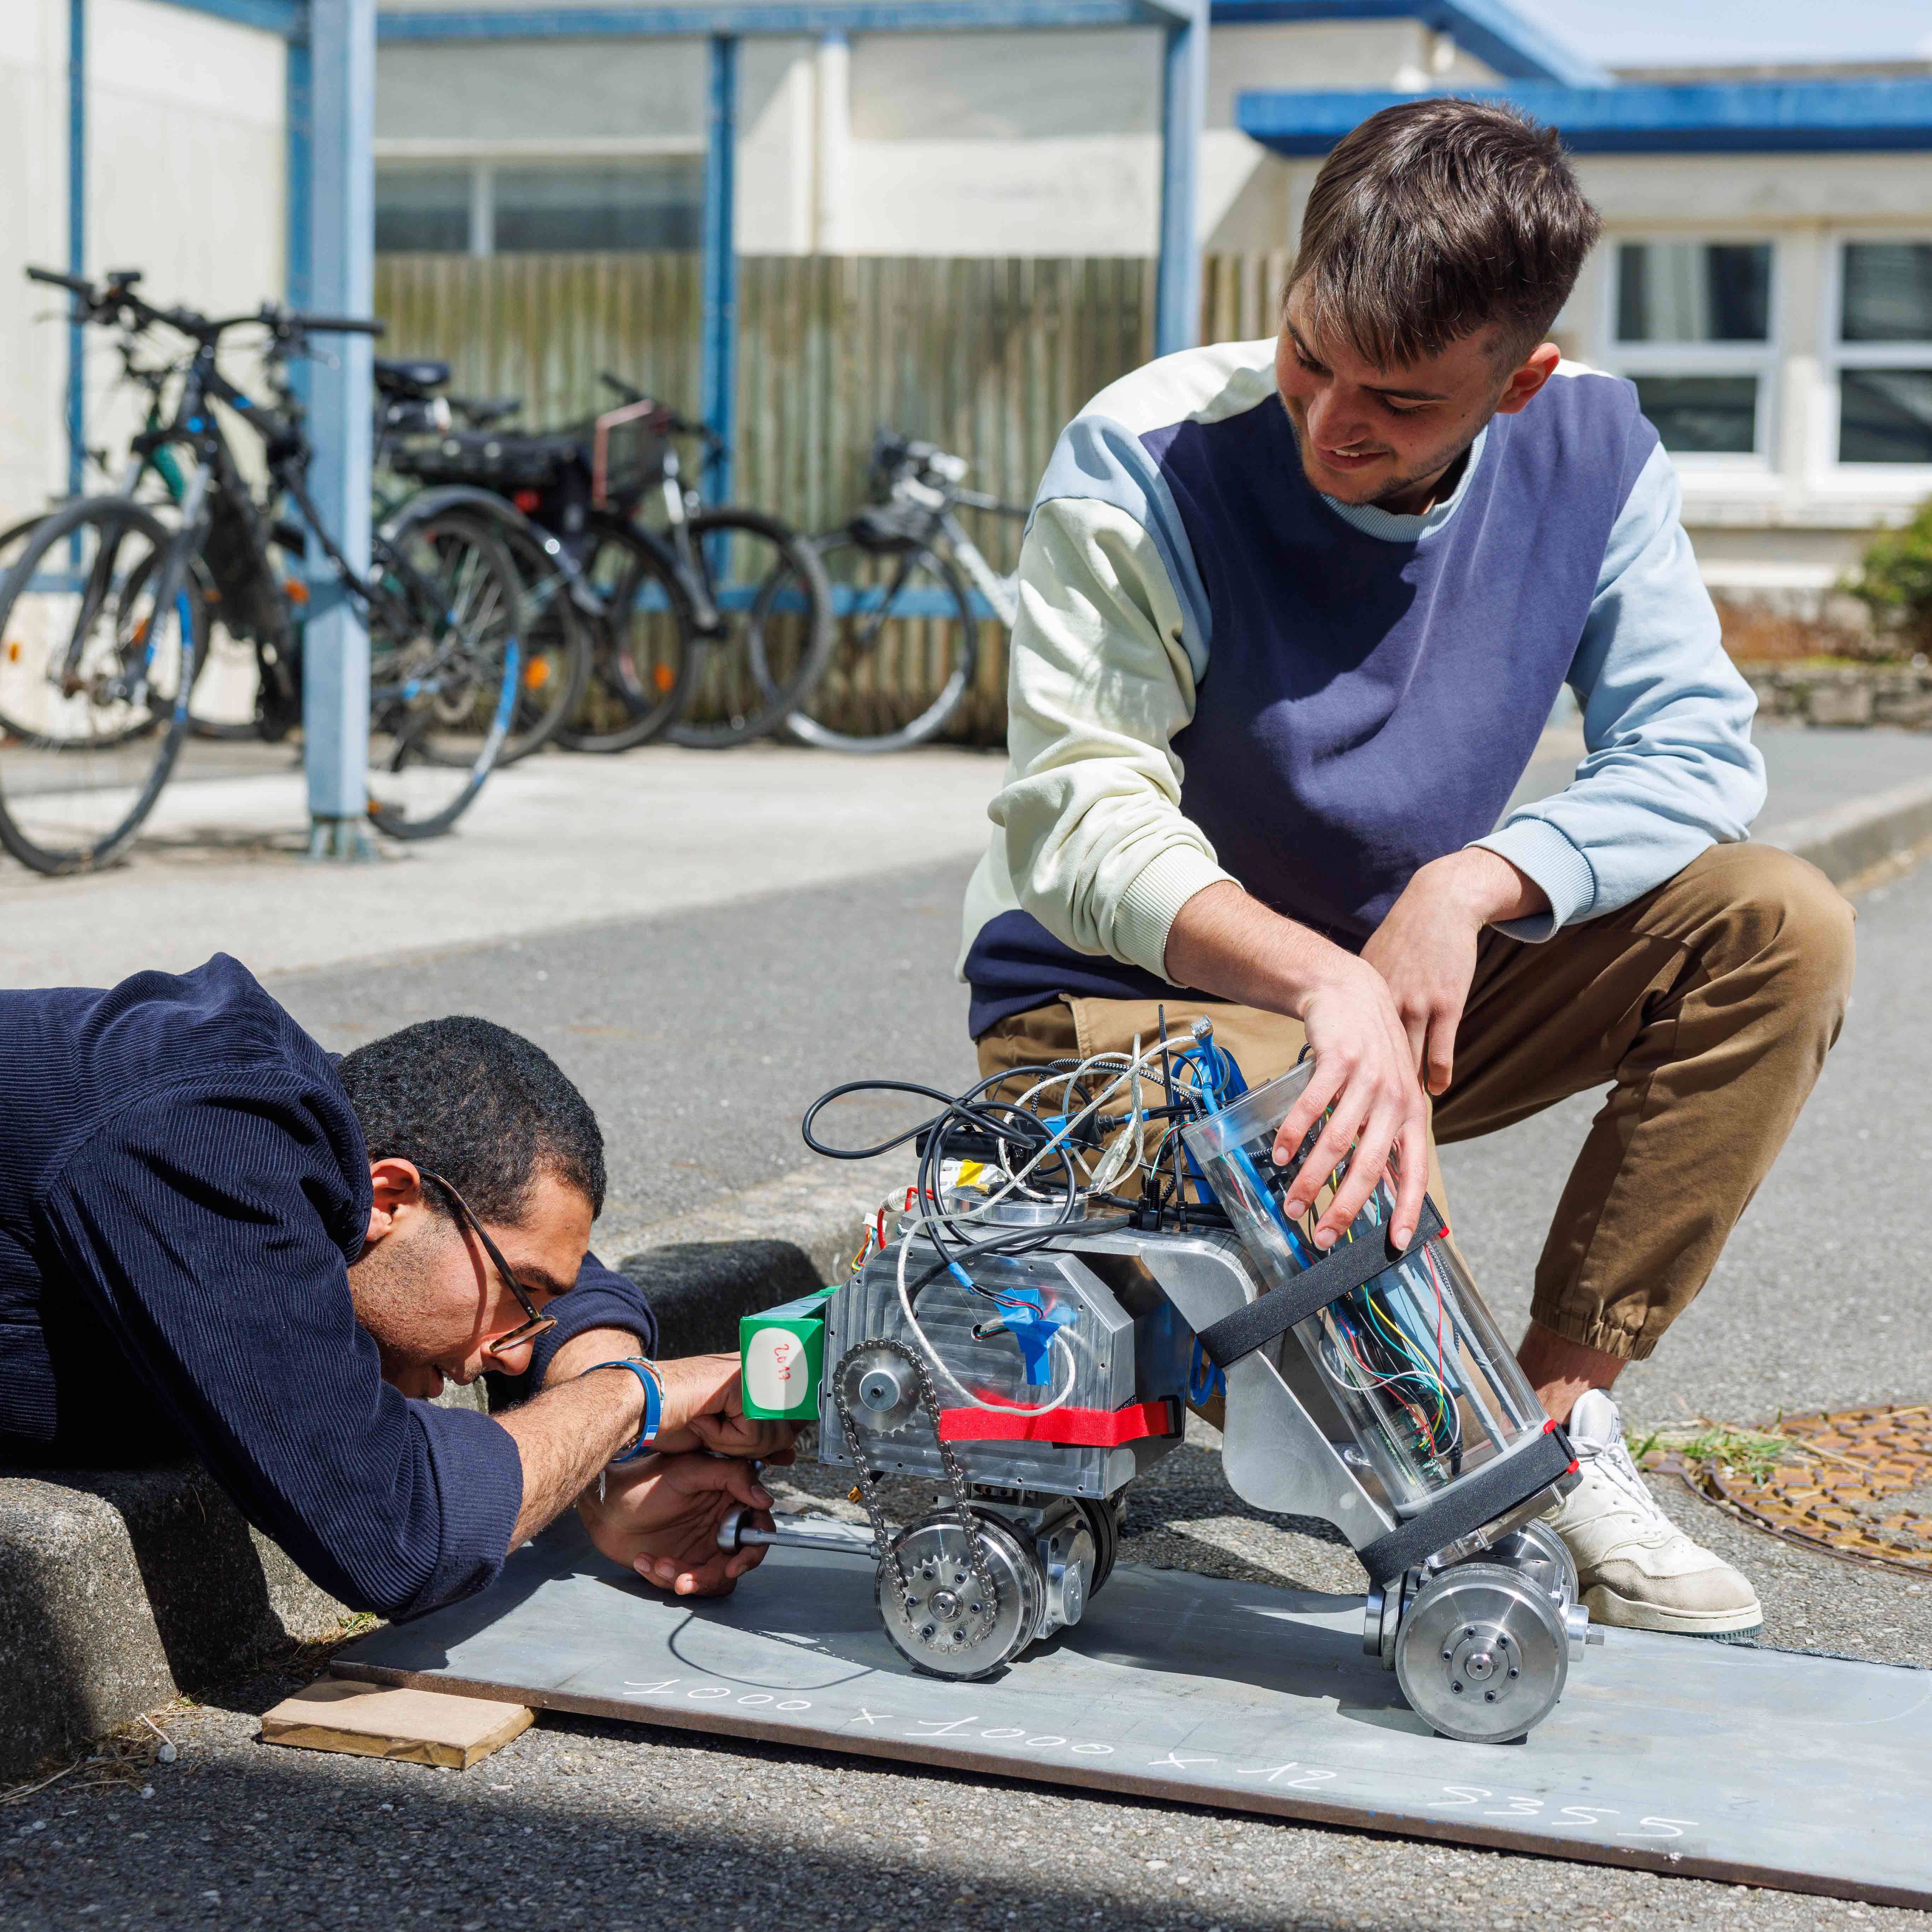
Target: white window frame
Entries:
(1765, 360)
(1908, 482)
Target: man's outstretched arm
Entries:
(567, 1434)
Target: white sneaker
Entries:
(1636, 1568)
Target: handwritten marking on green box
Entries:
(783, 1352)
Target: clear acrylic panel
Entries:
(1413, 1359)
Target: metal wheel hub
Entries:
(1483, 1652)
(944, 1626)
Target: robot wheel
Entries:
(944, 1627)
(1482, 1652)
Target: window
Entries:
(657, 204)
(1692, 330)
(481, 208)
(422, 210)
(1884, 352)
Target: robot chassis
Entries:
(1365, 1387)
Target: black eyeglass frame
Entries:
(537, 1324)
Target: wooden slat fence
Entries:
(987, 357)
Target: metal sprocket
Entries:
(970, 1525)
(939, 1625)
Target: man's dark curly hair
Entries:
(479, 1105)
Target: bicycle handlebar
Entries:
(974, 500)
(325, 325)
(79, 284)
(669, 422)
(116, 297)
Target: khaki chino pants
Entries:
(1707, 1007)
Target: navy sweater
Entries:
(182, 1188)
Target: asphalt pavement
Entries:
(701, 1038)
(699, 1041)
(699, 1035)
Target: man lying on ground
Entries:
(217, 1239)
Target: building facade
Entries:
(183, 177)
(1766, 282)
(1773, 304)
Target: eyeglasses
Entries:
(537, 1324)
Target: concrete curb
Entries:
(117, 1590)
(1850, 839)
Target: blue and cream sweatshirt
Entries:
(1218, 673)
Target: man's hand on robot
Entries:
(1365, 1080)
(660, 1516)
(703, 1401)
(746, 1437)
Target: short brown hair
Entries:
(1435, 218)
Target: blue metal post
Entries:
(298, 111)
(76, 241)
(720, 350)
(342, 272)
(1176, 311)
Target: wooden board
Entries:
(411, 1726)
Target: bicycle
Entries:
(98, 630)
(756, 596)
(158, 466)
(559, 618)
(904, 623)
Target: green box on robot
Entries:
(782, 1351)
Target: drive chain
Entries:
(955, 1477)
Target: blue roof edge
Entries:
(1740, 117)
(1493, 30)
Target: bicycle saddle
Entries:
(413, 378)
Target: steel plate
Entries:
(1768, 1767)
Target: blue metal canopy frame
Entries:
(1491, 30)
(1744, 117)
(330, 258)
(723, 23)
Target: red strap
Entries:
(1077, 1428)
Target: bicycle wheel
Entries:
(95, 669)
(13, 544)
(446, 663)
(904, 645)
(645, 662)
(558, 646)
(770, 590)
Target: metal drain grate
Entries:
(1857, 1482)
